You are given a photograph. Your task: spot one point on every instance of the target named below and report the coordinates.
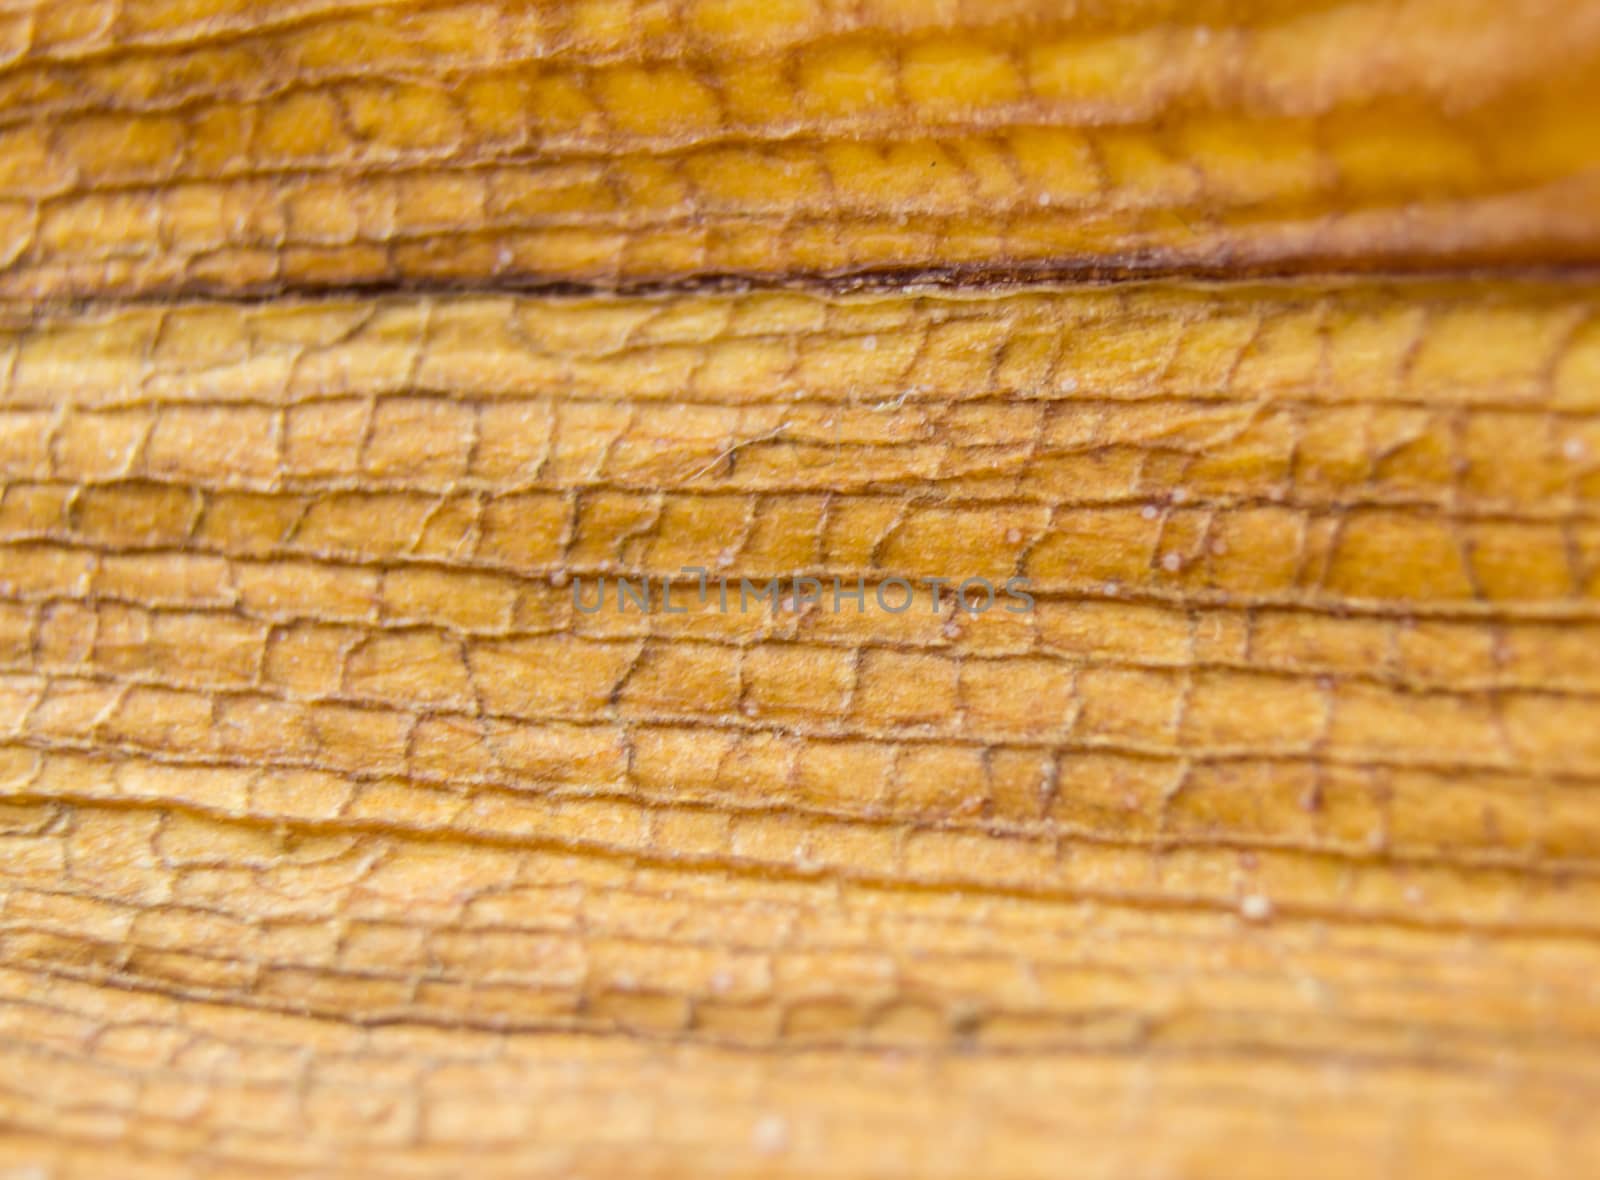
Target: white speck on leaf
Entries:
(1255, 908)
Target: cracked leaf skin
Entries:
(334, 840)
(337, 841)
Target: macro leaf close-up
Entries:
(896, 589)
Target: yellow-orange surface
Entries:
(341, 342)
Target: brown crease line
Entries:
(1099, 271)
